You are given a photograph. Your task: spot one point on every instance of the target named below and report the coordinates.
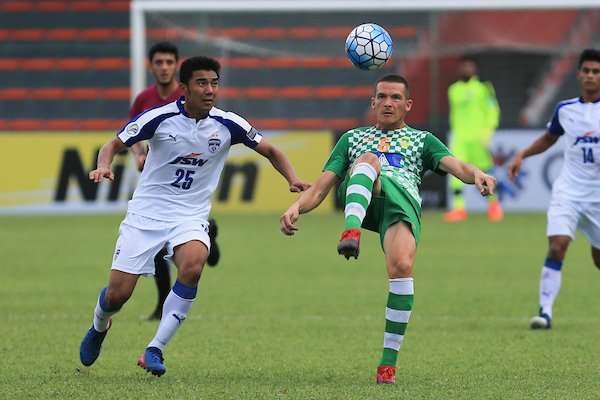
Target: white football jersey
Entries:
(185, 159)
(579, 124)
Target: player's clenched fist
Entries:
(288, 220)
(102, 172)
(515, 166)
(485, 183)
(299, 186)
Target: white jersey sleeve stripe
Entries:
(144, 125)
(241, 131)
(234, 117)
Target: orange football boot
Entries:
(456, 215)
(495, 213)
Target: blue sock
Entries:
(102, 313)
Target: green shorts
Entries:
(392, 205)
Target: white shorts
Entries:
(141, 238)
(565, 216)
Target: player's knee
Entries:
(370, 159)
(400, 268)
(190, 271)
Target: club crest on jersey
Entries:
(404, 142)
(214, 143)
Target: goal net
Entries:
(284, 64)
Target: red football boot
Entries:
(386, 374)
(349, 243)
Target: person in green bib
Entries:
(474, 116)
(380, 168)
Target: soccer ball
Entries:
(369, 46)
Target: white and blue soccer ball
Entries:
(369, 46)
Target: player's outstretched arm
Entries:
(281, 163)
(469, 174)
(309, 200)
(540, 145)
(105, 158)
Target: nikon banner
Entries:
(48, 173)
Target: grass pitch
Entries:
(283, 318)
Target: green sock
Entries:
(456, 185)
(397, 314)
(358, 194)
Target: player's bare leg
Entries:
(361, 185)
(120, 288)
(111, 299)
(596, 256)
(400, 249)
(214, 254)
(162, 278)
(550, 280)
(189, 258)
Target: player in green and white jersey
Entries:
(381, 168)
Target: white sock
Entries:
(549, 287)
(102, 316)
(177, 304)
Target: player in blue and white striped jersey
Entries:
(576, 192)
(189, 141)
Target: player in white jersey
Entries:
(188, 140)
(576, 192)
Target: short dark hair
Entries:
(588, 55)
(394, 78)
(468, 58)
(163, 47)
(198, 63)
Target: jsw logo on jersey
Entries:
(190, 159)
(587, 138)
